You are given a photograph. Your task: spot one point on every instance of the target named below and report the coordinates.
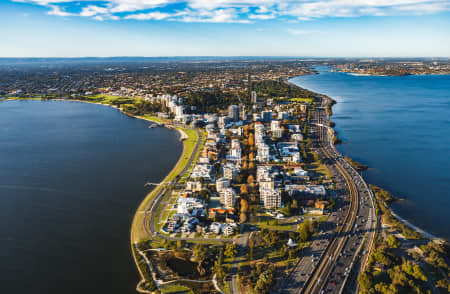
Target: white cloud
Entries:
(148, 16)
(55, 10)
(261, 16)
(92, 10)
(240, 11)
(228, 15)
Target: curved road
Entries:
(149, 219)
(331, 275)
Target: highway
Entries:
(326, 264)
(359, 224)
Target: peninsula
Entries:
(260, 199)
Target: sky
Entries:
(300, 28)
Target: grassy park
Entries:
(137, 231)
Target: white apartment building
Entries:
(228, 229)
(179, 112)
(230, 171)
(263, 173)
(222, 183)
(186, 204)
(275, 124)
(202, 171)
(233, 112)
(266, 185)
(228, 197)
(194, 186)
(263, 153)
(297, 137)
(254, 97)
(271, 198)
(235, 144)
(215, 228)
(311, 190)
(275, 127)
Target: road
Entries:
(241, 243)
(149, 219)
(360, 222)
(326, 264)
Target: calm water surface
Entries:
(71, 177)
(400, 127)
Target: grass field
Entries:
(309, 100)
(22, 98)
(175, 289)
(152, 118)
(138, 233)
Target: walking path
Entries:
(425, 234)
(160, 283)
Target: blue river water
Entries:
(400, 127)
(71, 177)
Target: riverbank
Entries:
(364, 167)
(139, 232)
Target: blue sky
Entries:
(316, 28)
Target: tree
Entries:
(250, 180)
(200, 253)
(150, 285)
(246, 130)
(392, 241)
(265, 280)
(251, 140)
(382, 256)
(418, 273)
(312, 226)
(286, 210)
(251, 156)
(230, 250)
(283, 250)
(366, 280)
(204, 194)
(244, 205)
(220, 272)
(244, 191)
(386, 289)
(243, 217)
(303, 231)
(251, 165)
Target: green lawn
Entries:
(176, 289)
(22, 98)
(309, 100)
(138, 232)
(152, 118)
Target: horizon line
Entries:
(219, 56)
